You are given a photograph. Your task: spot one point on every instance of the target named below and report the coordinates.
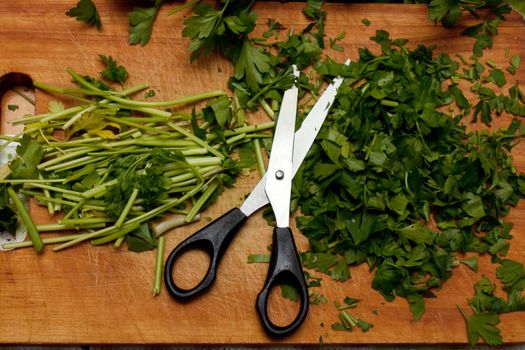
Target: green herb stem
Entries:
(64, 227)
(198, 141)
(31, 181)
(60, 201)
(139, 126)
(51, 188)
(261, 167)
(250, 128)
(61, 159)
(50, 206)
(98, 190)
(50, 240)
(266, 107)
(201, 201)
(173, 103)
(75, 163)
(119, 241)
(26, 219)
(86, 221)
(127, 208)
(159, 265)
(123, 231)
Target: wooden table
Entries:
(88, 295)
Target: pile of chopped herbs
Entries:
(396, 181)
(111, 165)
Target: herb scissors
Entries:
(288, 152)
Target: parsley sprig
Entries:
(86, 11)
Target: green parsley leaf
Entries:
(141, 239)
(471, 262)
(445, 11)
(512, 275)
(85, 11)
(515, 62)
(417, 305)
(484, 299)
(274, 28)
(366, 22)
(483, 325)
(149, 93)
(498, 77)
(141, 24)
(516, 301)
(460, 98)
(113, 71)
(317, 298)
(55, 106)
(289, 292)
(333, 42)
(29, 153)
(251, 64)
(225, 28)
(314, 10)
(12, 108)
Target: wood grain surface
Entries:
(99, 295)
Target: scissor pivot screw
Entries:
(279, 174)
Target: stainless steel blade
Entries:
(303, 140)
(279, 179)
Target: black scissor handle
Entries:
(214, 239)
(285, 267)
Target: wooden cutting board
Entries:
(88, 295)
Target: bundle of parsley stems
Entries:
(122, 162)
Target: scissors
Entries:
(287, 154)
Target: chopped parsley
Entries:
(85, 11)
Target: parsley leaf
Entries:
(483, 325)
(149, 93)
(85, 11)
(289, 292)
(113, 71)
(141, 23)
(30, 153)
(141, 239)
(12, 107)
(445, 11)
(251, 64)
(515, 62)
(225, 28)
(498, 77)
(417, 305)
(471, 262)
(512, 274)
